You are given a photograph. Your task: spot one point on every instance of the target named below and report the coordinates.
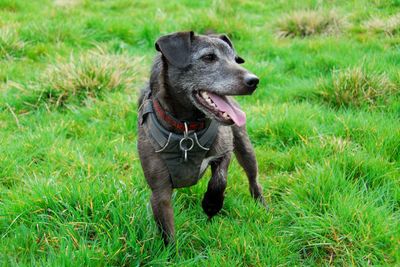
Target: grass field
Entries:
(325, 123)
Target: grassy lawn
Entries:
(325, 122)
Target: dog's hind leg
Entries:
(214, 197)
(246, 157)
(163, 212)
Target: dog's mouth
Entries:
(220, 107)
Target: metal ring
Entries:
(181, 142)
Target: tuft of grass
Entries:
(86, 76)
(357, 87)
(389, 26)
(310, 22)
(9, 5)
(10, 44)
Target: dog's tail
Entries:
(246, 157)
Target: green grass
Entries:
(325, 123)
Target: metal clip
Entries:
(186, 143)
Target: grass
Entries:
(324, 122)
(389, 26)
(309, 22)
(357, 87)
(10, 44)
(87, 76)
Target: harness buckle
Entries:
(186, 143)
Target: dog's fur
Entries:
(182, 67)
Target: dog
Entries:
(188, 120)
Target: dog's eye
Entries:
(209, 58)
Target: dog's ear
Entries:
(176, 48)
(226, 39)
(239, 60)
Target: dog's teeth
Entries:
(204, 95)
(226, 116)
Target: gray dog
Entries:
(188, 121)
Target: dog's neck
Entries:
(179, 112)
(174, 106)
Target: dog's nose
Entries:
(251, 81)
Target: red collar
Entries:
(179, 126)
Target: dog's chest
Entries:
(186, 156)
(183, 154)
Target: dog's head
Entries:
(205, 70)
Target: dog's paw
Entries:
(256, 193)
(262, 201)
(212, 204)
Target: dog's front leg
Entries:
(214, 197)
(163, 212)
(246, 157)
(157, 177)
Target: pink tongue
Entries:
(224, 105)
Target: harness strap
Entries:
(156, 131)
(210, 133)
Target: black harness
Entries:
(183, 154)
